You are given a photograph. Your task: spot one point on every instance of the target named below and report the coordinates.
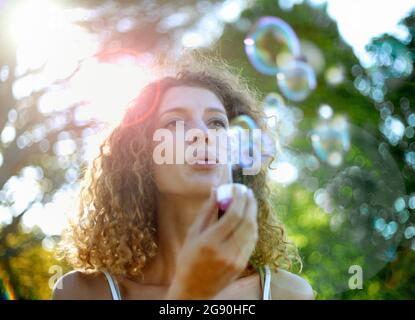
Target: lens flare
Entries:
(7, 292)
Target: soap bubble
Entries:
(280, 118)
(296, 81)
(330, 140)
(250, 141)
(313, 55)
(271, 45)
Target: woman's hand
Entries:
(215, 251)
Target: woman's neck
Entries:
(175, 215)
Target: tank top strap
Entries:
(265, 276)
(115, 291)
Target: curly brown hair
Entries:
(115, 228)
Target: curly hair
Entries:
(115, 228)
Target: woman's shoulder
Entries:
(289, 286)
(78, 285)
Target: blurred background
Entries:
(344, 183)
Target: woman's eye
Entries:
(173, 123)
(218, 123)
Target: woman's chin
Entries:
(200, 185)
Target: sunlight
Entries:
(49, 42)
(108, 87)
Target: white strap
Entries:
(267, 285)
(113, 286)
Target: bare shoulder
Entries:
(76, 285)
(289, 286)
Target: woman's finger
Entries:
(244, 237)
(232, 217)
(206, 214)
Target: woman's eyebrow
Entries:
(185, 110)
(214, 109)
(174, 110)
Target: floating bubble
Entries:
(271, 45)
(245, 122)
(273, 102)
(330, 140)
(296, 81)
(313, 55)
(281, 119)
(243, 150)
(274, 99)
(251, 141)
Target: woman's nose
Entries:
(198, 133)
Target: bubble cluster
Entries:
(273, 49)
(361, 197)
(350, 176)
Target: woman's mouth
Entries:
(206, 163)
(204, 166)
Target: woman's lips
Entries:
(207, 163)
(203, 166)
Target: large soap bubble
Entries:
(360, 217)
(272, 44)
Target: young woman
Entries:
(152, 231)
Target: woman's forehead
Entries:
(189, 98)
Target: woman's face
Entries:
(190, 155)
